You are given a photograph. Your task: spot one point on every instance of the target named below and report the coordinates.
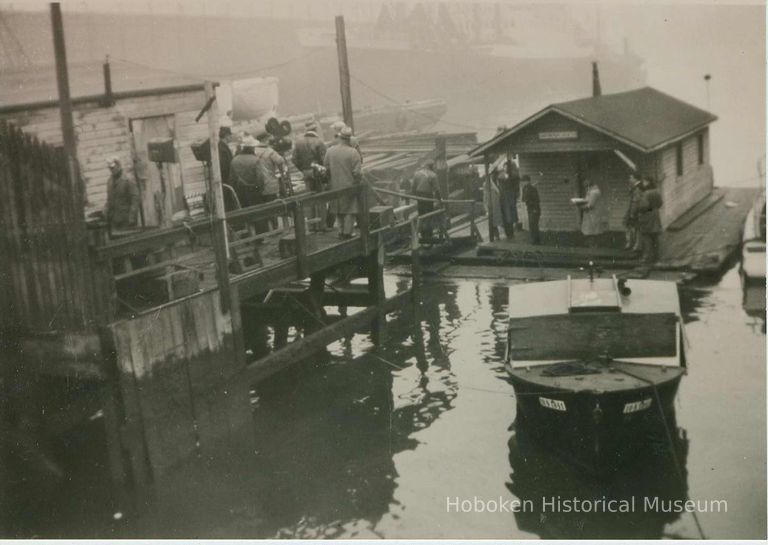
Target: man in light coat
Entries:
(345, 168)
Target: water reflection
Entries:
(328, 443)
(658, 475)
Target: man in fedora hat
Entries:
(245, 173)
(344, 166)
(122, 210)
(308, 156)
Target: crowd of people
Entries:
(258, 173)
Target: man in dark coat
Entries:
(345, 168)
(245, 174)
(533, 206)
(122, 210)
(425, 185)
(630, 217)
(649, 220)
(308, 156)
(309, 149)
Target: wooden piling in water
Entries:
(376, 291)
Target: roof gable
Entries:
(645, 119)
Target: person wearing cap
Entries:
(273, 168)
(122, 209)
(308, 156)
(309, 149)
(245, 173)
(533, 207)
(337, 127)
(425, 185)
(345, 168)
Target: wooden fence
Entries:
(45, 279)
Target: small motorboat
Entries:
(595, 363)
(752, 263)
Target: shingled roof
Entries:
(644, 118)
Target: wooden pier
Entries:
(141, 325)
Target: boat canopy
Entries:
(599, 295)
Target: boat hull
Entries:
(597, 430)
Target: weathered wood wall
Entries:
(45, 279)
(682, 192)
(178, 368)
(557, 185)
(103, 132)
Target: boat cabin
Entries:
(603, 138)
(594, 319)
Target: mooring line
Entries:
(670, 441)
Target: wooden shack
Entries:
(118, 108)
(604, 138)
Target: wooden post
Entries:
(415, 263)
(489, 198)
(376, 291)
(346, 92)
(300, 230)
(219, 225)
(65, 105)
(441, 166)
(362, 216)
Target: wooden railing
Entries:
(155, 257)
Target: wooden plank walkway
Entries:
(708, 238)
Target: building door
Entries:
(612, 176)
(161, 184)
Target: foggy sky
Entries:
(680, 42)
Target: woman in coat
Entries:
(649, 220)
(593, 222)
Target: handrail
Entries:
(417, 198)
(151, 239)
(167, 235)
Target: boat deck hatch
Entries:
(598, 294)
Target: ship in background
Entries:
(481, 58)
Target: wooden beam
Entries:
(300, 230)
(65, 105)
(220, 246)
(346, 92)
(489, 198)
(295, 351)
(376, 291)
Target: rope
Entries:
(416, 198)
(670, 441)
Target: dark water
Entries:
(373, 445)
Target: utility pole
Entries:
(218, 219)
(65, 104)
(346, 92)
